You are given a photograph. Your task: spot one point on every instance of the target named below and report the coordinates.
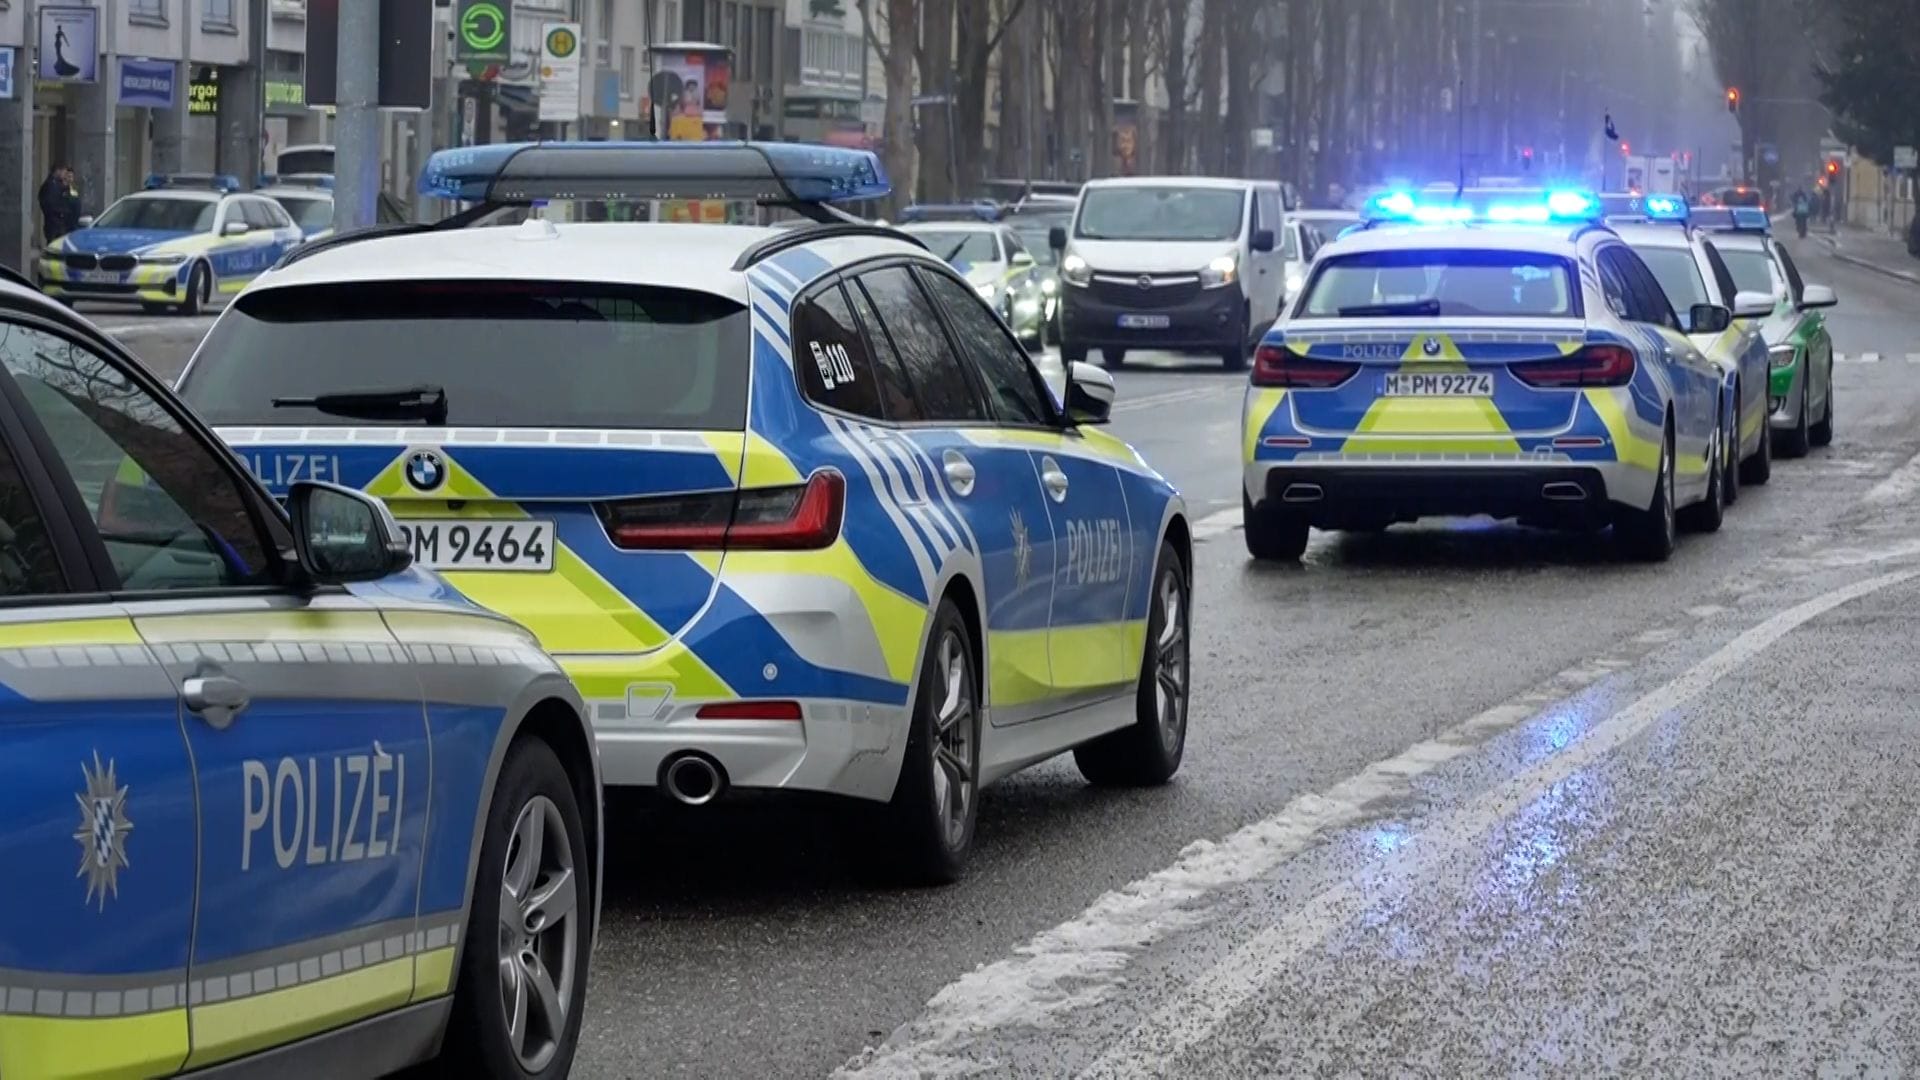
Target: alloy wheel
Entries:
(539, 933)
(1171, 662)
(953, 741)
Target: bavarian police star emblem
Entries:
(103, 830)
(1022, 549)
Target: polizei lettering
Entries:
(1096, 553)
(1372, 352)
(281, 470)
(319, 810)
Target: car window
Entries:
(1013, 388)
(1648, 298)
(1752, 270)
(311, 215)
(1266, 206)
(171, 516)
(508, 353)
(1439, 283)
(831, 355)
(257, 215)
(1722, 277)
(28, 566)
(1678, 273)
(1794, 281)
(896, 389)
(1613, 285)
(160, 213)
(1014, 246)
(907, 318)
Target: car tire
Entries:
(503, 965)
(1113, 359)
(1147, 752)
(1758, 469)
(1273, 535)
(1821, 434)
(1795, 440)
(1730, 449)
(1708, 514)
(931, 834)
(1650, 535)
(199, 290)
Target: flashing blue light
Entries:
(203, 181)
(1665, 208)
(983, 210)
(520, 173)
(1443, 206)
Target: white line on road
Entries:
(1081, 962)
(1210, 1000)
(1216, 524)
(1152, 401)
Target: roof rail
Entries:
(787, 239)
(376, 232)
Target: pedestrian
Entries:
(59, 203)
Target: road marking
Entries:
(1208, 1001)
(1156, 400)
(1870, 358)
(1899, 484)
(1913, 358)
(1216, 524)
(124, 329)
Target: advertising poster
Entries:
(690, 86)
(70, 44)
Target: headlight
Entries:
(1782, 356)
(985, 291)
(162, 260)
(1049, 286)
(1075, 271)
(1294, 283)
(1224, 270)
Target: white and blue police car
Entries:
(792, 506)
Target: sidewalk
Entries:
(1874, 251)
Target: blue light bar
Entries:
(1665, 208)
(518, 174)
(201, 181)
(982, 210)
(1499, 206)
(1740, 219)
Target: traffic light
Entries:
(1526, 158)
(1626, 148)
(1833, 167)
(1733, 99)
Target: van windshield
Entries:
(1161, 213)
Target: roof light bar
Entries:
(1500, 206)
(519, 174)
(1736, 219)
(197, 181)
(982, 210)
(1666, 208)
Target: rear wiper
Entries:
(1429, 306)
(428, 403)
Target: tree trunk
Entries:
(937, 130)
(1010, 156)
(1241, 54)
(1174, 69)
(1100, 36)
(903, 34)
(1212, 47)
(977, 23)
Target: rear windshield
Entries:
(1752, 270)
(311, 215)
(507, 354)
(1439, 284)
(1678, 274)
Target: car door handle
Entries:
(214, 697)
(959, 470)
(1053, 479)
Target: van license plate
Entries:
(1144, 322)
(1440, 384)
(479, 544)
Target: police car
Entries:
(187, 242)
(1723, 322)
(993, 259)
(307, 198)
(790, 505)
(275, 798)
(1799, 345)
(1481, 352)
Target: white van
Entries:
(1179, 263)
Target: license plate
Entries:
(97, 277)
(481, 545)
(1440, 384)
(1144, 322)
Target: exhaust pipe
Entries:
(692, 779)
(1299, 493)
(1563, 491)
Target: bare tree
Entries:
(896, 60)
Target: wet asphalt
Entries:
(1458, 799)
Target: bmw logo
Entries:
(1432, 347)
(426, 470)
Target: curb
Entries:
(1884, 271)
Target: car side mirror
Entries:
(1817, 296)
(1089, 393)
(1708, 319)
(1021, 258)
(238, 228)
(343, 536)
(1752, 305)
(1057, 238)
(1262, 240)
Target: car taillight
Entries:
(749, 710)
(798, 518)
(1595, 365)
(1274, 365)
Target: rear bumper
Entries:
(1210, 320)
(1357, 495)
